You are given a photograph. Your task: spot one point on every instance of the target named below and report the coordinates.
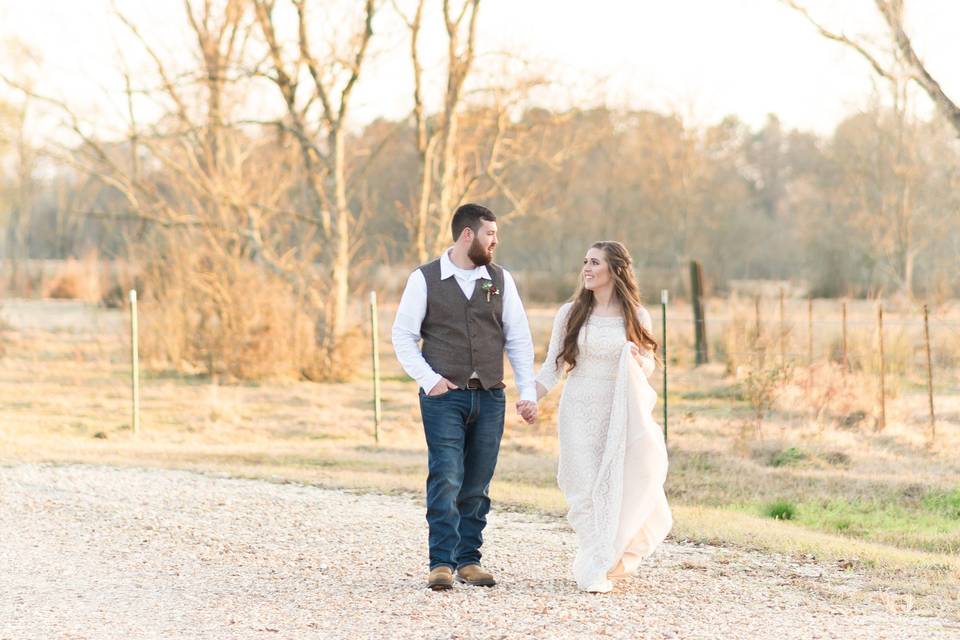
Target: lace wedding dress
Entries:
(613, 459)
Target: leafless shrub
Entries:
(75, 280)
(220, 316)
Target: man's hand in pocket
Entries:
(442, 387)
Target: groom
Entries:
(467, 311)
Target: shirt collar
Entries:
(447, 269)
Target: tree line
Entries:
(216, 204)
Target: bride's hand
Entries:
(645, 360)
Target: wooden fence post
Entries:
(699, 315)
(926, 341)
(846, 361)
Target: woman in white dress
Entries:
(613, 459)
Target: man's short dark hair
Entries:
(470, 215)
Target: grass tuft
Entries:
(780, 510)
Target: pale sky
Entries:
(702, 58)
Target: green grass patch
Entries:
(931, 524)
(945, 503)
(788, 456)
(780, 510)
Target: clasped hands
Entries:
(528, 410)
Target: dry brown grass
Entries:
(836, 397)
(75, 280)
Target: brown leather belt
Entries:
(474, 383)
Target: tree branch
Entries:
(843, 39)
(892, 11)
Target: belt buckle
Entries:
(474, 383)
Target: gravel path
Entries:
(99, 552)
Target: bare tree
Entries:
(906, 63)
(21, 187)
(21, 193)
(467, 150)
(195, 183)
(321, 139)
(885, 183)
(437, 138)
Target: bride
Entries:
(613, 459)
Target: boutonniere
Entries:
(489, 289)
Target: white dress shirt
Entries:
(413, 308)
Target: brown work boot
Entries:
(440, 578)
(472, 574)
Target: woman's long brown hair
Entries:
(625, 289)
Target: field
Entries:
(792, 473)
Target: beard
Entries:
(478, 255)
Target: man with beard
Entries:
(467, 311)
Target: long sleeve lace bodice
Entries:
(604, 352)
(550, 373)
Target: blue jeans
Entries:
(463, 428)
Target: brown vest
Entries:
(461, 336)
